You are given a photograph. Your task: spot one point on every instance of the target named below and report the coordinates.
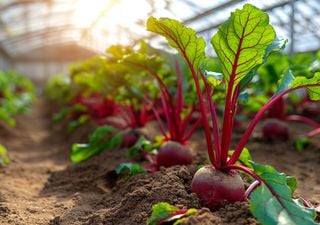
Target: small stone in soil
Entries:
(55, 221)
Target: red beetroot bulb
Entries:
(275, 129)
(312, 109)
(172, 153)
(215, 188)
(130, 137)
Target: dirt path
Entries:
(35, 152)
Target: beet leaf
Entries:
(4, 159)
(142, 144)
(285, 209)
(241, 43)
(104, 137)
(164, 212)
(130, 168)
(181, 38)
(244, 159)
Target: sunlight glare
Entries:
(86, 11)
(118, 16)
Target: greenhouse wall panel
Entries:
(41, 70)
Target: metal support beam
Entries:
(210, 11)
(41, 17)
(292, 30)
(216, 25)
(56, 52)
(22, 2)
(41, 32)
(5, 54)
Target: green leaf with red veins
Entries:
(272, 203)
(289, 81)
(313, 91)
(180, 37)
(241, 43)
(163, 213)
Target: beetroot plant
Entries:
(294, 107)
(242, 44)
(177, 113)
(177, 117)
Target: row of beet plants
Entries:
(16, 95)
(296, 106)
(120, 94)
(127, 88)
(242, 44)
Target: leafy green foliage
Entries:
(244, 159)
(141, 144)
(104, 137)
(4, 159)
(176, 111)
(103, 84)
(275, 206)
(289, 81)
(270, 72)
(130, 168)
(314, 92)
(242, 41)
(16, 95)
(181, 38)
(74, 124)
(164, 212)
(58, 88)
(131, 64)
(301, 143)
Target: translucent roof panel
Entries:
(26, 25)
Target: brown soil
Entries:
(41, 186)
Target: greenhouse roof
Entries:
(28, 25)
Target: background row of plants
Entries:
(120, 91)
(16, 95)
(248, 82)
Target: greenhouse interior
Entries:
(159, 112)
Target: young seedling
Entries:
(242, 43)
